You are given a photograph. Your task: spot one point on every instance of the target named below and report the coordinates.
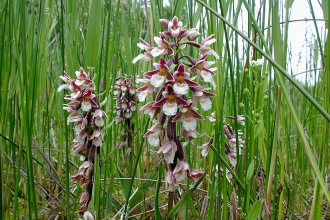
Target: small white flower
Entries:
(170, 108)
(157, 80)
(189, 123)
(181, 88)
(88, 216)
(142, 96)
(206, 103)
(86, 106)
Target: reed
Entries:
(274, 164)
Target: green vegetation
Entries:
(282, 170)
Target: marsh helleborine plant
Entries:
(178, 93)
(84, 109)
(124, 91)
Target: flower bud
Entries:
(192, 34)
(164, 23)
(83, 198)
(246, 91)
(179, 151)
(170, 130)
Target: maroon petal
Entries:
(181, 68)
(208, 94)
(151, 73)
(160, 103)
(143, 88)
(196, 115)
(180, 101)
(177, 117)
(182, 33)
(191, 83)
(93, 103)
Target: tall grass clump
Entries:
(210, 121)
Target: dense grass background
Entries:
(284, 167)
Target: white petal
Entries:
(212, 52)
(64, 79)
(169, 157)
(209, 42)
(88, 216)
(141, 57)
(142, 96)
(206, 104)
(61, 87)
(206, 76)
(180, 176)
(175, 33)
(99, 122)
(170, 108)
(205, 152)
(124, 105)
(86, 106)
(75, 95)
(79, 82)
(189, 123)
(74, 118)
(142, 46)
(128, 114)
(132, 108)
(132, 91)
(157, 80)
(157, 51)
(97, 141)
(181, 88)
(212, 119)
(153, 140)
(158, 40)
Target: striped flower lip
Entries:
(163, 47)
(189, 115)
(174, 27)
(205, 46)
(157, 77)
(146, 47)
(168, 150)
(182, 83)
(203, 65)
(153, 135)
(170, 102)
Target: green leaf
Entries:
(104, 102)
(93, 33)
(255, 210)
(181, 48)
(124, 183)
(158, 214)
(184, 198)
(108, 126)
(258, 128)
(250, 170)
(326, 10)
(288, 4)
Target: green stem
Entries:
(269, 58)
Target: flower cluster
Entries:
(124, 90)
(231, 151)
(230, 145)
(173, 80)
(256, 64)
(84, 109)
